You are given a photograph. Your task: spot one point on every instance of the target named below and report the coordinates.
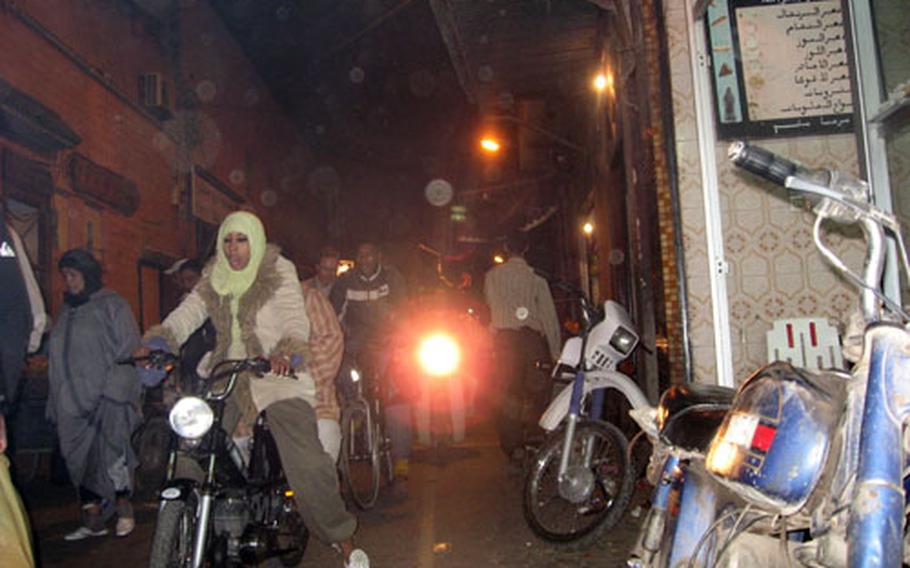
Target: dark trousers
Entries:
(523, 388)
(309, 470)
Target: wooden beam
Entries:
(448, 28)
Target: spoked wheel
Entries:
(386, 467)
(360, 456)
(591, 497)
(172, 545)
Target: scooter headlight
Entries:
(191, 417)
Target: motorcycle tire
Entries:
(151, 443)
(360, 456)
(175, 529)
(613, 484)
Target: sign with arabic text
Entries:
(779, 68)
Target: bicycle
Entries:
(365, 448)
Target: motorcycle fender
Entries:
(559, 407)
(177, 490)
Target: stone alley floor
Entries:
(462, 508)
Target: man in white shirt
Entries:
(526, 330)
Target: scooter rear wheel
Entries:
(600, 497)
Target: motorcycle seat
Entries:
(691, 414)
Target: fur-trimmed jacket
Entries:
(272, 319)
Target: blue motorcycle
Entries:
(806, 468)
(818, 459)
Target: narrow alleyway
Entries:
(462, 508)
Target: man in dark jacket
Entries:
(366, 300)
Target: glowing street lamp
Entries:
(498, 259)
(588, 229)
(603, 82)
(490, 145)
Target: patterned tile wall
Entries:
(775, 270)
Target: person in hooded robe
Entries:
(94, 401)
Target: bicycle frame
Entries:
(875, 536)
(875, 532)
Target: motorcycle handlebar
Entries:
(761, 162)
(157, 358)
(258, 365)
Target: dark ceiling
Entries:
(367, 80)
(398, 87)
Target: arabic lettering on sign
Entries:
(794, 59)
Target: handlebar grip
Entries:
(261, 365)
(761, 162)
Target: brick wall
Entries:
(82, 60)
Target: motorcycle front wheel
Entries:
(175, 528)
(600, 490)
(360, 456)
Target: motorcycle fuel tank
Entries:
(776, 440)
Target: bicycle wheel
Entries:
(593, 496)
(386, 467)
(360, 455)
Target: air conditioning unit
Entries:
(154, 95)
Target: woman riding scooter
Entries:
(252, 295)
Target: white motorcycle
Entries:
(581, 480)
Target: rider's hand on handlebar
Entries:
(281, 365)
(141, 353)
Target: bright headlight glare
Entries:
(439, 355)
(191, 417)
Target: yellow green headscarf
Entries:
(225, 280)
(234, 283)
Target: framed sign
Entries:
(211, 198)
(779, 68)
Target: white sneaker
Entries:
(83, 533)
(125, 526)
(357, 559)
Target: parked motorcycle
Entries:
(581, 479)
(239, 508)
(685, 502)
(820, 458)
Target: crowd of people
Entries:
(247, 301)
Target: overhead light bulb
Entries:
(490, 145)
